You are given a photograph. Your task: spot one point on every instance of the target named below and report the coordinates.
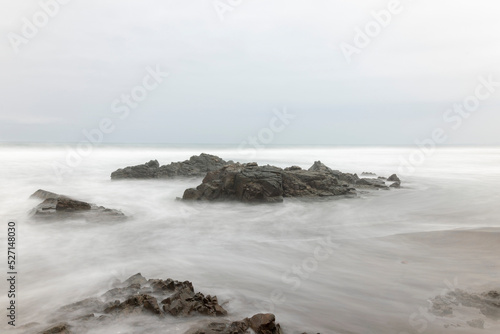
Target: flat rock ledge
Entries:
(157, 298)
(55, 206)
(196, 166)
(251, 183)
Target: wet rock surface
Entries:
(488, 303)
(251, 183)
(196, 166)
(55, 206)
(157, 298)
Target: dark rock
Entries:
(259, 324)
(372, 183)
(196, 166)
(145, 171)
(394, 178)
(55, 206)
(135, 305)
(368, 174)
(266, 184)
(301, 183)
(264, 324)
(246, 183)
(236, 327)
(395, 185)
(186, 302)
(62, 328)
(293, 168)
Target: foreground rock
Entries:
(196, 166)
(251, 183)
(138, 296)
(259, 323)
(55, 206)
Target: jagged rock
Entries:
(252, 183)
(318, 166)
(264, 324)
(135, 305)
(259, 324)
(236, 327)
(61, 206)
(135, 279)
(62, 328)
(186, 302)
(394, 178)
(196, 166)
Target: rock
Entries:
(476, 323)
(62, 328)
(307, 184)
(395, 185)
(135, 279)
(135, 305)
(368, 174)
(264, 324)
(185, 303)
(245, 183)
(236, 327)
(196, 166)
(259, 324)
(394, 178)
(55, 206)
(318, 166)
(488, 303)
(373, 183)
(250, 183)
(293, 168)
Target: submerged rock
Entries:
(55, 206)
(196, 166)
(62, 328)
(488, 303)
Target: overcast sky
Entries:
(230, 66)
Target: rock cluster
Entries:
(158, 298)
(251, 183)
(55, 206)
(196, 166)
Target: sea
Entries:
(369, 264)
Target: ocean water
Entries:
(388, 252)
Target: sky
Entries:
(227, 71)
